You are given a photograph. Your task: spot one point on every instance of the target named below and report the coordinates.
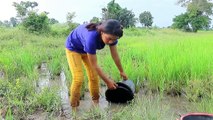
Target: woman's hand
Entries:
(124, 76)
(111, 84)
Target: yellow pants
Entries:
(75, 61)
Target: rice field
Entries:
(165, 62)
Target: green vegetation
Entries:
(115, 11)
(162, 60)
(146, 19)
(140, 109)
(21, 54)
(197, 16)
(167, 59)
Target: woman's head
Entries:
(112, 27)
(110, 30)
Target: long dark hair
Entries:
(110, 26)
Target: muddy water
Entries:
(86, 102)
(1, 74)
(44, 77)
(66, 109)
(176, 105)
(60, 82)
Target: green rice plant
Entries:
(18, 95)
(59, 30)
(177, 61)
(145, 108)
(49, 100)
(167, 60)
(9, 115)
(17, 65)
(196, 90)
(54, 63)
(94, 114)
(137, 32)
(205, 105)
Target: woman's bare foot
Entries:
(95, 103)
(74, 109)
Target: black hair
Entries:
(110, 26)
(92, 26)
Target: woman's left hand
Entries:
(124, 76)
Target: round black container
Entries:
(123, 94)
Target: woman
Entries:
(81, 46)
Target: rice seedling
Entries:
(168, 61)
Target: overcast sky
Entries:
(163, 11)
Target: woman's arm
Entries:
(93, 60)
(116, 58)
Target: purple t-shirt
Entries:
(83, 41)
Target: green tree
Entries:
(111, 11)
(146, 19)
(127, 18)
(95, 20)
(37, 23)
(53, 21)
(71, 24)
(7, 23)
(13, 21)
(30, 19)
(200, 22)
(114, 11)
(70, 16)
(23, 8)
(203, 6)
(182, 22)
(189, 23)
(198, 12)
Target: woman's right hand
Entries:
(111, 84)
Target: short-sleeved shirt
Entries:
(81, 40)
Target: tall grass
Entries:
(21, 55)
(141, 109)
(166, 60)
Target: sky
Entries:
(163, 11)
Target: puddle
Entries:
(2, 111)
(173, 107)
(176, 105)
(66, 109)
(44, 78)
(45, 81)
(168, 107)
(1, 74)
(86, 103)
(60, 82)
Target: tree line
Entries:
(196, 17)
